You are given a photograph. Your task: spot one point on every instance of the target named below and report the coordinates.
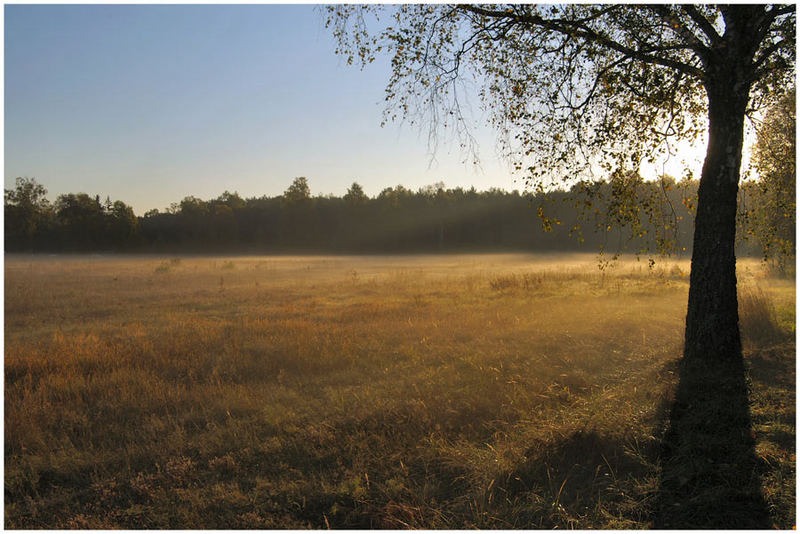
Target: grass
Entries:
(345, 392)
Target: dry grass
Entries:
(386, 392)
(758, 317)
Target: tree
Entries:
(81, 219)
(573, 88)
(122, 225)
(296, 220)
(27, 213)
(194, 214)
(232, 200)
(772, 216)
(298, 192)
(192, 206)
(355, 195)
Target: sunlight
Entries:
(688, 157)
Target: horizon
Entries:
(152, 103)
(314, 195)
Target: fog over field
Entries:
(325, 267)
(440, 391)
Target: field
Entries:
(481, 391)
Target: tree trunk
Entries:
(712, 319)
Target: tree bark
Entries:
(712, 319)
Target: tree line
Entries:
(657, 217)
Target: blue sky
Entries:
(152, 103)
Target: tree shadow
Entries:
(710, 473)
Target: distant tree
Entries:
(395, 197)
(232, 200)
(81, 220)
(771, 217)
(193, 222)
(432, 190)
(298, 192)
(122, 225)
(573, 86)
(223, 228)
(27, 214)
(193, 207)
(297, 216)
(355, 195)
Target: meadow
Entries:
(443, 391)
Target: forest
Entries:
(656, 217)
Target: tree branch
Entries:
(759, 61)
(702, 22)
(672, 20)
(576, 29)
(776, 11)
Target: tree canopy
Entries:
(771, 202)
(571, 88)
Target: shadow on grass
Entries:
(579, 478)
(710, 473)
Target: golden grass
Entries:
(483, 391)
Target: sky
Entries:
(149, 104)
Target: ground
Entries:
(446, 391)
